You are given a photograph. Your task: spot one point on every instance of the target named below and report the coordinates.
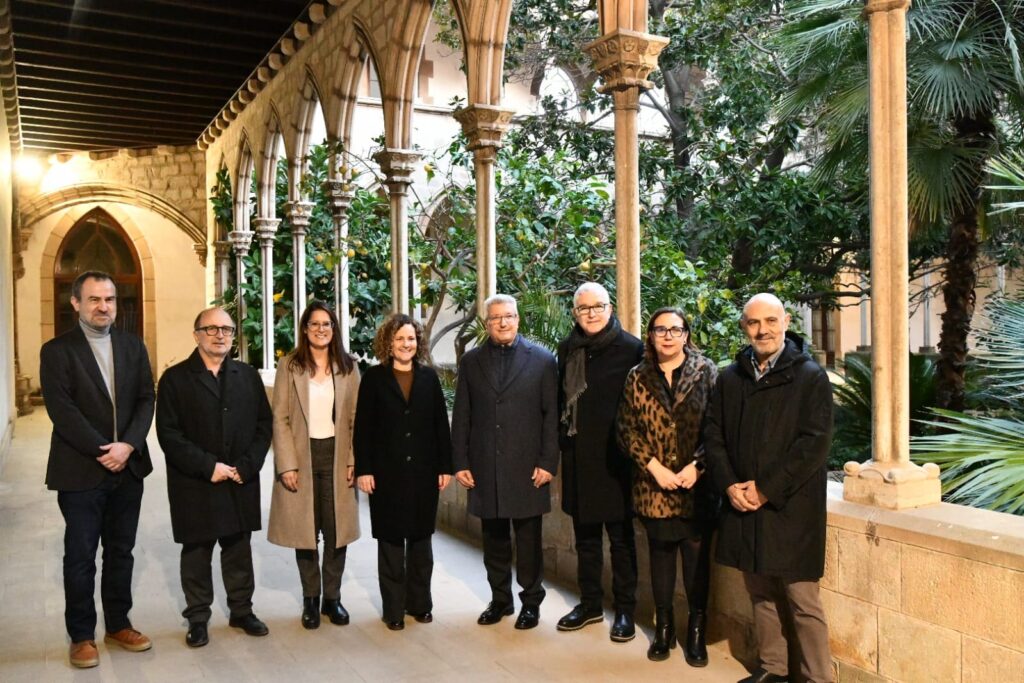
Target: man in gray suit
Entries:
(505, 451)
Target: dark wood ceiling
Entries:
(107, 74)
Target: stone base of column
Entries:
(23, 390)
(892, 487)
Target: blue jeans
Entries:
(107, 513)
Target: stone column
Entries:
(865, 302)
(240, 240)
(398, 165)
(266, 228)
(221, 261)
(341, 193)
(299, 213)
(485, 125)
(624, 58)
(889, 479)
(926, 315)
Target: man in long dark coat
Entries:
(505, 451)
(98, 388)
(596, 477)
(767, 436)
(214, 424)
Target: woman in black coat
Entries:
(403, 455)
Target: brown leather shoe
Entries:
(129, 639)
(83, 654)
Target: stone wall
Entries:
(918, 596)
(8, 410)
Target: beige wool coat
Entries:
(291, 513)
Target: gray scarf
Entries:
(575, 382)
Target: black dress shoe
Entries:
(311, 613)
(696, 650)
(529, 617)
(395, 625)
(494, 613)
(422, 617)
(579, 617)
(197, 635)
(762, 676)
(335, 611)
(251, 624)
(623, 628)
(664, 635)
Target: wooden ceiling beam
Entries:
(130, 52)
(125, 73)
(81, 96)
(94, 87)
(138, 63)
(112, 112)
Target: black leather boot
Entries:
(311, 612)
(664, 635)
(696, 651)
(335, 611)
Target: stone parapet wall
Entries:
(918, 596)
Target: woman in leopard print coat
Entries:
(659, 427)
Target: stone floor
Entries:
(33, 645)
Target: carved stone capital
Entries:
(340, 194)
(265, 229)
(221, 250)
(484, 124)
(625, 58)
(872, 6)
(894, 486)
(299, 214)
(240, 240)
(201, 251)
(398, 165)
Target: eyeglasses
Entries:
(663, 332)
(508, 318)
(320, 326)
(596, 309)
(212, 330)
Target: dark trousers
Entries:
(696, 555)
(107, 513)
(403, 570)
(235, 569)
(308, 560)
(590, 563)
(529, 559)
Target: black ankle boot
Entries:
(696, 651)
(311, 612)
(664, 635)
(335, 611)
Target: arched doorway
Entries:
(98, 242)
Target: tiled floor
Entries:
(33, 645)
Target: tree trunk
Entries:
(961, 274)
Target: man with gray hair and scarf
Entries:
(596, 477)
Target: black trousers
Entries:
(322, 455)
(107, 513)
(235, 569)
(590, 563)
(696, 555)
(404, 569)
(529, 559)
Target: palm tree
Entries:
(965, 79)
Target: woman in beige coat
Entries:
(314, 407)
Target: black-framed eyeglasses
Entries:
(597, 309)
(313, 325)
(508, 318)
(212, 330)
(663, 332)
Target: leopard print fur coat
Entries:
(654, 424)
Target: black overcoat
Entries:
(776, 432)
(199, 425)
(82, 413)
(596, 475)
(501, 433)
(405, 446)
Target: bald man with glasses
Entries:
(214, 424)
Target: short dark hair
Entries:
(649, 351)
(76, 286)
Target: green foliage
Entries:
(851, 439)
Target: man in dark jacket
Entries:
(505, 451)
(767, 436)
(214, 425)
(596, 477)
(98, 388)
